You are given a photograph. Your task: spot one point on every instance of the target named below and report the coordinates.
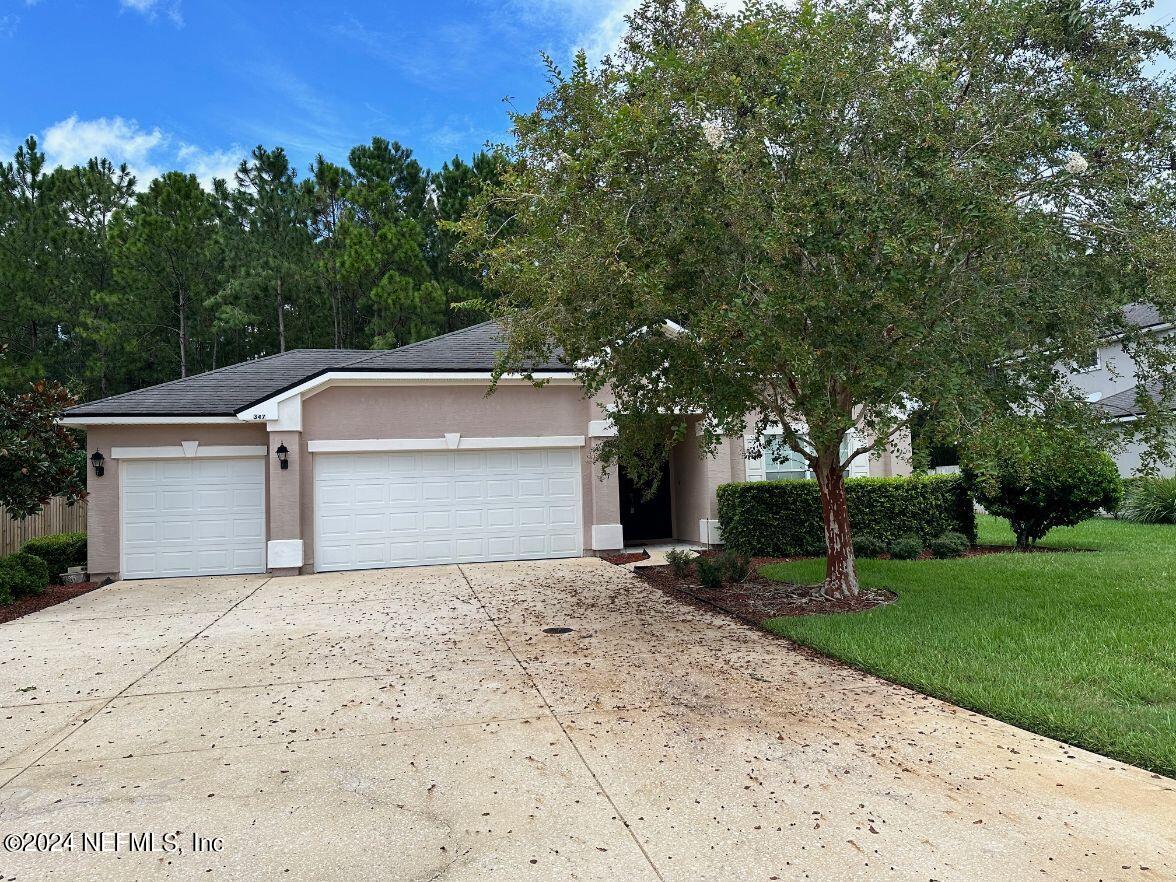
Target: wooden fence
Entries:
(56, 517)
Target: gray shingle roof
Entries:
(227, 390)
(1124, 404)
(1142, 315)
(470, 349)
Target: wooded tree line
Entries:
(108, 285)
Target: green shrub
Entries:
(783, 518)
(734, 567)
(680, 561)
(21, 575)
(906, 548)
(1150, 501)
(710, 572)
(948, 545)
(36, 574)
(1039, 476)
(868, 545)
(60, 551)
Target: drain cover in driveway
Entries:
(557, 630)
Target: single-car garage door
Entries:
(192, 517)
(410, 508)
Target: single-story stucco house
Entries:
(317, 460)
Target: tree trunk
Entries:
(335, 316)
(840, 572)
(281, 320)
(183, 333)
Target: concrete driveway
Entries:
(419, 724)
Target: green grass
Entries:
(1080, 647)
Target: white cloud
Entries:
(148, 152)
(151, 8)
(209, 164)
(598, 25)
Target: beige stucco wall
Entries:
(102, 506)
(356, 412)
(367, 412)
(696, 479)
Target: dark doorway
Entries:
(642, 519)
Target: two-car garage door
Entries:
(406, 508)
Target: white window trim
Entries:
(757, 470)
(1098, 363)
(385, 445)
(211, 451)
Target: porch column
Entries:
(284, 553)
(607, 533)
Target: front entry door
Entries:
(642, 519)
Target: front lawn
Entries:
(1077, 646)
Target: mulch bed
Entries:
(53, 595)
(758, 599)
(631, 557)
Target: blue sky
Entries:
(195, 85)
(166, 84)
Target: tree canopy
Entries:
(856, 210)
(111, 284)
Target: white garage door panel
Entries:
(412, 508)
(189, 517)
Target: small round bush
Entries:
(906, 548)
(32, 575)
(734, 567)
(1040, 476)
(1150, 501)
(868, 545)
(710, 573)
(680, 560)
(948, 545)
(12, 581)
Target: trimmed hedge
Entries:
(782, 518)
(60, 551)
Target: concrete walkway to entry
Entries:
(420, 724)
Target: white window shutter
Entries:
(860, 467)
(755, 467)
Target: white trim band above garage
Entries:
(210, 451)
(446, 442)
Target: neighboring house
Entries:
(1108, 379)
(317, 460)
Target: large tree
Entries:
(270, 243)
(33, 225)
(168, 264)
(382, 246)
(855, 209)
(39, 458)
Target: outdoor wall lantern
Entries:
(98, 459)
(283, 456)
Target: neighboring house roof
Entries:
(1125, 404)
(227, 390)
(1142, 315)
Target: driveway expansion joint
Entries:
(123, 691)
(555, 717)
